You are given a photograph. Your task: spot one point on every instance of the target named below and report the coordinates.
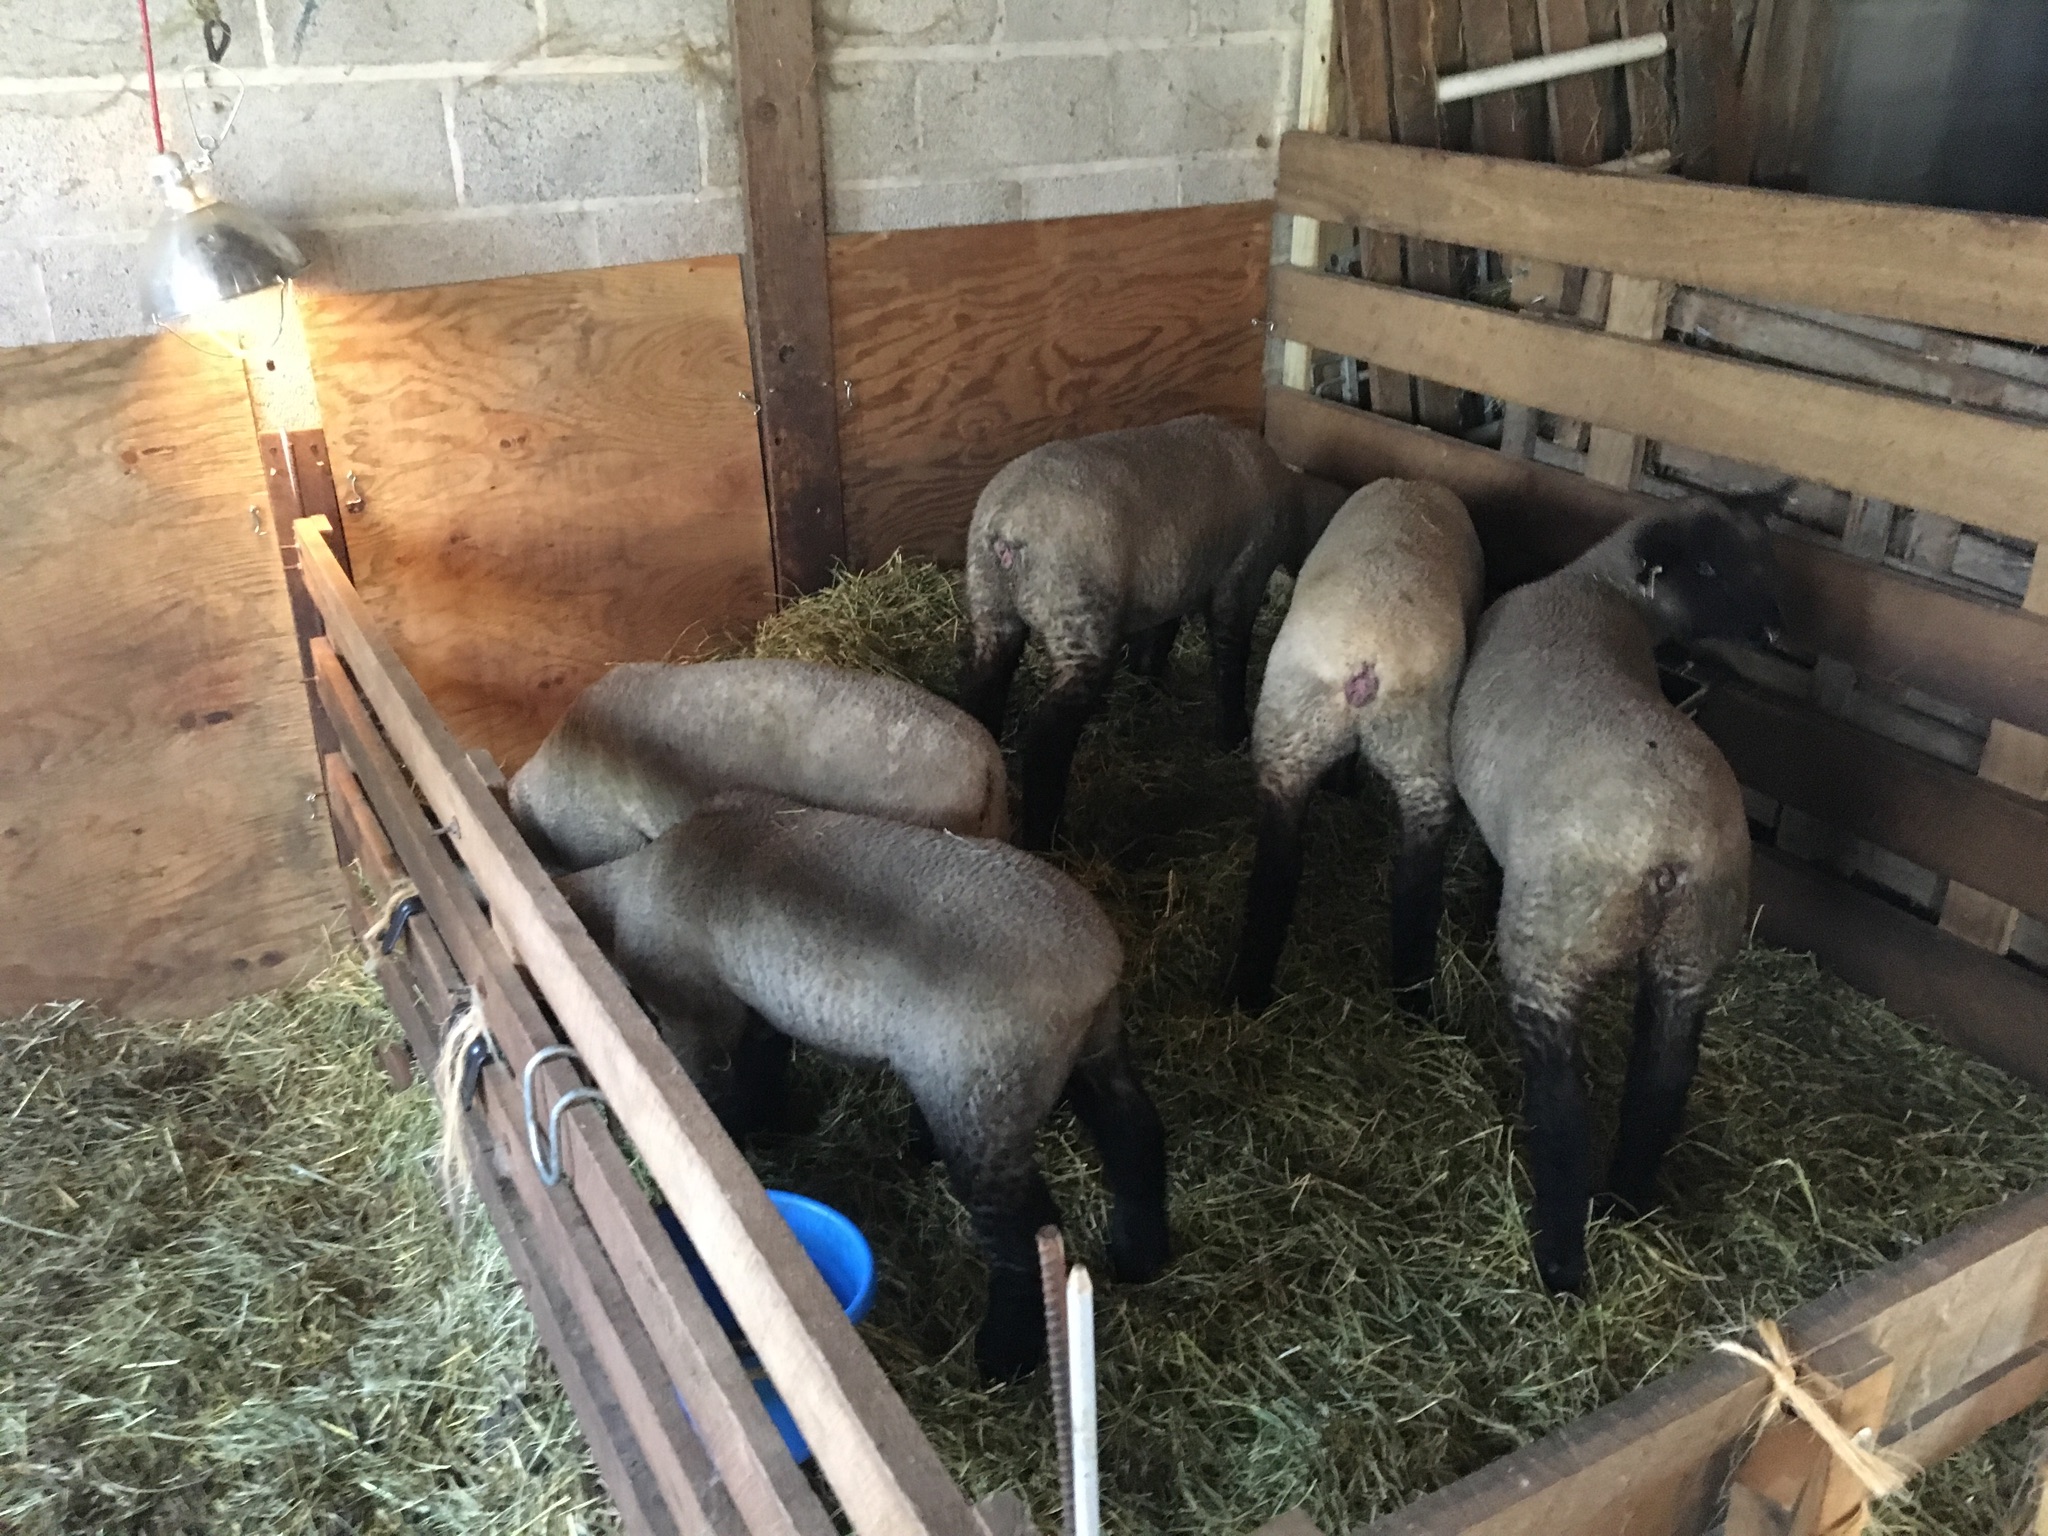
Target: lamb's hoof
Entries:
(1138, 1250)
(1624, 1205)
(1251, 996)
(1008, 1352)
(1561, 1264)
(1415, 1001)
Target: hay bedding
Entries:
(231, 1301)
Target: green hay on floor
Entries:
(231, 1302)
(1354, 1317)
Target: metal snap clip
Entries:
(547, 1151)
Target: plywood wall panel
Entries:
(161, 849)
(961, 348)
(559, 473)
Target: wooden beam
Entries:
(766, 1486)
(879, 1463)
(789, 315)
(1940, 817)
(1649, 101)
(1976, 1000)
(1981, 469)
(1636, 308)
(1896, 628)
(1578, 118)
(1709, 99)
(1503, 122)
(1986, 274)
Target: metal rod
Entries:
(1052, 1286)
(1550, 66)
(1081, 1383)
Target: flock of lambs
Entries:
(773, 851)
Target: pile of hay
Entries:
(1354, 1318)
(230, 1301)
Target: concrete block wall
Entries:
(419, 141)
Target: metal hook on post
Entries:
(547, 1151)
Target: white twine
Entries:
(1881, 1474)
(451, 1166)
(373, 940)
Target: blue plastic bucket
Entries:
(844, 1260)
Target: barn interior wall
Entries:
(445, 140)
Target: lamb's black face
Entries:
(1711, 575)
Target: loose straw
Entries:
(1881, 1475)
(1052, 1287)
(1081, 1378)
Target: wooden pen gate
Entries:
(1925, 1353)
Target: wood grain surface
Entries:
(162, 847)
(560, 473)
(1973, 467)
(962, 348)
(1980, 273)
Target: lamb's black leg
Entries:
(1554, 1107)
(1049, 744)
(1008, 1206)
(753, 1092)
(1269, 900)
(1671, 1010)
(1231, 616)
(923, 1146)
(1151, 650)
(994, 649)
(1418, 894)
(1111, 1101)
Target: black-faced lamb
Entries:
(647, 742)
(1122, 535)
(983, 976)
(1620, 832)
(1365, 667)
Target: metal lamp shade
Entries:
(202, 253)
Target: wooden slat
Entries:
(1982, 273)
(1578, 120)
(1308, 243)
(1973, 467)
(1636, 308)
(561, 472)
(1363, 40)
(789, 318)
(1649, 102)
(1940, 817)
(1503, 122)
(763, 1482)
(1653, 1464)
(162, 848)
(1432, 265)
(966, 347)
(883, 1470)
(1974, 999)
(1898, 629)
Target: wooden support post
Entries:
(2018, 760)
(1362, 48)
(1308, 239)
(1709, 101)
(1432, 266)
(1636, 306)
(789, 314)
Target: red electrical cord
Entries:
(156, 115)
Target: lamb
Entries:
(1086, 543)
(983, 976)
(647, 742)
(1620, 832)
(1366, 665)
